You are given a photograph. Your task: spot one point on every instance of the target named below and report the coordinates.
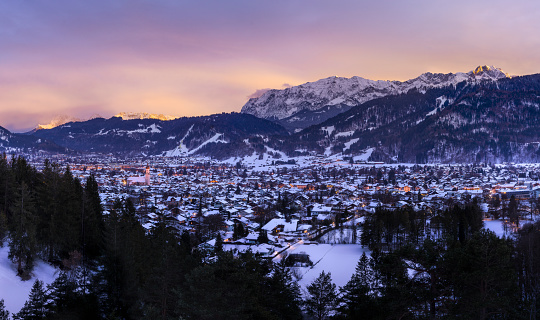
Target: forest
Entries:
(113, 268)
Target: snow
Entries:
(340, 260)
(495, 226)
(285, 103)
(498, 226)
(151, 129)
(328, 151)
(365, 156)
(344, 134)
(328, 130)
(287, 226)
(214, 139)
(181, 149)
(12, 289)
(143, 115)
(350, 143)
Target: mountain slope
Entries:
(470, 122)
(219, 135)
(313, 102)
(13, 142)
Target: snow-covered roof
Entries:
(287, 226)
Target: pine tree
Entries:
(92, 223)
(23, 247)
(263, 236)
(3, 228)
(62, 293)
(4, 313)
(356, 300)
(48, 203)
(513, 210)
(68, 237)
(283, 298)
(35, 307)
(484, 277)
(322, 296)
(218, 247)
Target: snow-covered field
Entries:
(499, 228)
(341, 259)
(338, 259)
(12, 289)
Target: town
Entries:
(267, 206)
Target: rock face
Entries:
(314, 102)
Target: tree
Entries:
(284, 297)
(218, 247)
(4, 313)
(322, 296)
(484, 278)
(23, 247)
(513, 210)
(3, 227)
(35, 307)
(263, 236)
(356, 301)
(231, 288)
(92, 219)
(528, 261)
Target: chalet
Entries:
(275, 226)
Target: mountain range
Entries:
(311, 103)
(480, 116)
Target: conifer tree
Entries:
(218, 247)
(36, 305)
(92, 222)
(4, 313)
(48, 226)
(3, 227)
(283, 296)
(322, 296)
(356, 300)
(23, 247)
(263, 236)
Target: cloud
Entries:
(199, 57)
(258, 93)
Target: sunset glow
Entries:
(82, 58)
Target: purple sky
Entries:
(81, 58)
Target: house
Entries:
(276, 226)
(320, 209)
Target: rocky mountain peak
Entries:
(489, 72)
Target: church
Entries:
(140, 181)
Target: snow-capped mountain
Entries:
(63, 119)
(143, 115)
(313, 102)
(489, 121)
(480, 116)
(57, 121)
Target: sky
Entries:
(187, 58)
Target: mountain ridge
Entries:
(286, 105)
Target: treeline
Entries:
(113, 268)
(47, 214)
(388, 230)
